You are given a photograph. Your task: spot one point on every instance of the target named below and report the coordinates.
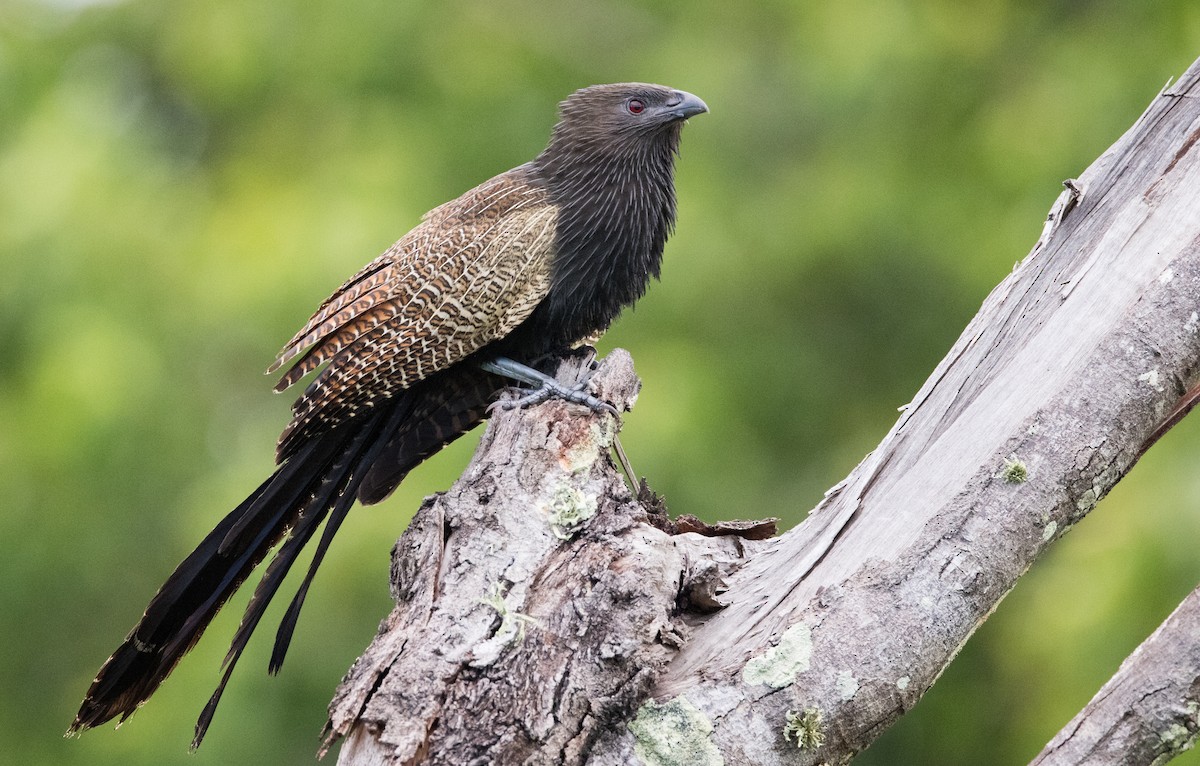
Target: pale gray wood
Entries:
(609, 652)
(1068, 368)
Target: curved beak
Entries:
(683, 105)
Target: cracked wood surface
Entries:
(534, 604)
(528, 631)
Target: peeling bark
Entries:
(535, 601)
(542, 616)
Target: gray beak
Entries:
(683, 105)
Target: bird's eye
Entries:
(635, 106)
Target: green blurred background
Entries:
(181, 183)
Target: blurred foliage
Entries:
(182, 181)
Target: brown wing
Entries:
(472, 271)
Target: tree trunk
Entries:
(545, 615)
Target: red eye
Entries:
(636, 106)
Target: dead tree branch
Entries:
(1149, 711)
(541, 617)
(536, 603)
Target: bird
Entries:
(412, 351)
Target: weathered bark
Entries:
(1150, 710)
(517, 636)
(536, 604)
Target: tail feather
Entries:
(318, 482)
(335, 498)
(283, 490)
(258, 530)
(179, 613)
(338, 510)
(444, 407)
(167, 630)
(447, 405)
(287, 625)
(307, 521)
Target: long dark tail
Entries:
(320, 480)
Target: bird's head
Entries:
(622, 115)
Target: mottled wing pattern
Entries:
(357, 296)
(473, 270)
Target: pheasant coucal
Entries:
(415, 347)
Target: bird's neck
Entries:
(616, 207)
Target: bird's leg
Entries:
(547, 387)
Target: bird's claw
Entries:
(576, 394)
(547, 387)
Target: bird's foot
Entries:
(547, 387)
